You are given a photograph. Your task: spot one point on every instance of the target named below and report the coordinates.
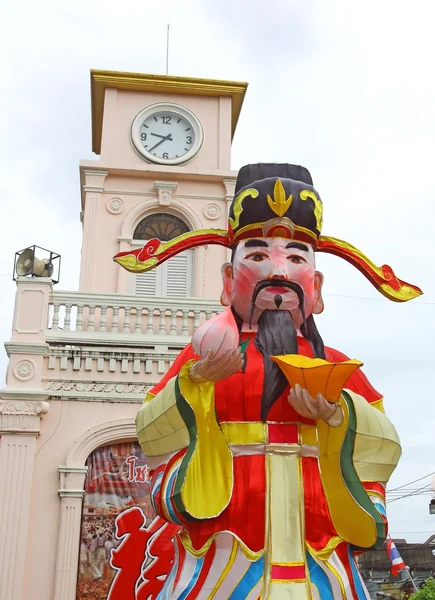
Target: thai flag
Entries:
(395, 558)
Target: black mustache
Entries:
(264, 283)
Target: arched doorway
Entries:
(116, 483)
(175, 277)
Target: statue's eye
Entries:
(296, 259)
(257, 256)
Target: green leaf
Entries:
(244, 345)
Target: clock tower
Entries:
(164, 144)
(81, 361)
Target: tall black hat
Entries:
(276, 200)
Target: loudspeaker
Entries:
(29, 264)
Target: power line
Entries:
(398, 495)
(411, 482)
(419, 492)
(373, 299)
(406, 491)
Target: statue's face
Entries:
(269, 259)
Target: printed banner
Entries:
(125, 550)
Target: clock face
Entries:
(167, 134)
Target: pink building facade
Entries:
(80, 362)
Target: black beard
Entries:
(277, 335)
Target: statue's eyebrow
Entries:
(255, 243)
(298, 246)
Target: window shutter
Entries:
(178, 276)
(146, 283)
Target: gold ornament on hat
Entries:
(238, 207)
(318, 207)
(279, 204)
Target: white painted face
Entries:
(268, 259)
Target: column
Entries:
(71, 494)
(20, 417)
(22, 404)
(92, 193)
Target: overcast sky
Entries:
(343, 88)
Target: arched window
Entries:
(174, 278)
(162, 226)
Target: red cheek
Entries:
(305, 278)
(242, 286)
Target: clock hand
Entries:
(167, 137)
(160, 136)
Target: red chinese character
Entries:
(160, 550)
(144, 557)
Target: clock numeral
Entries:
(165, 155)
(143, 136)
(166, 120)
(189, 139)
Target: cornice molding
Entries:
(116, 353)
(153, 195)
(34, 281)
(23, 394)
(96, 172)
(71, 493)
(102, 338)
(152, 172)
(98, 189)
(73, 469)
(38, 349)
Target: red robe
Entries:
(238, 399)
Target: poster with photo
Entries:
(125, 550)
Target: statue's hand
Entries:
(315, 408)
(208, 369)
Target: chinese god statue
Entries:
(270, 450)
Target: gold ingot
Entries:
(316, 375)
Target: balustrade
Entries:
(116, 315)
